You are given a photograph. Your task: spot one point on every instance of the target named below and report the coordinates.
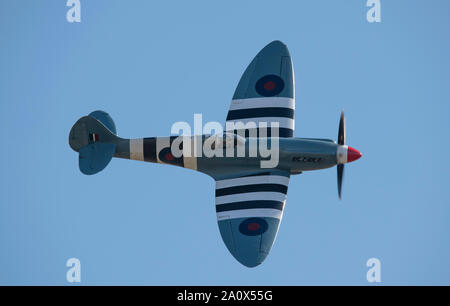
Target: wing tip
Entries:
(276, 47)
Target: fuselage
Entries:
(246, 155)
(294, 155)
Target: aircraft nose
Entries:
(249, 240)
(353, 154)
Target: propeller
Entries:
(345, 154)
(341, 142)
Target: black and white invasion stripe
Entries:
(266, 109)
(251, 196)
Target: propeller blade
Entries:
(341, 134)
(340, 176)
(341, 142)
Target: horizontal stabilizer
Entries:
(92, 137)
(95, 157)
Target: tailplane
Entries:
(94, 138)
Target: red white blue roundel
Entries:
(269, 85)
(166, 156)
(253, 226)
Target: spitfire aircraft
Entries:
(249, 198)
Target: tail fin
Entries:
(94, 137)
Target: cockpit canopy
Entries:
(227, 140)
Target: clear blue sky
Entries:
(150, 64)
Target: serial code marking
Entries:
(306, 159)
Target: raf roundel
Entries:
(166, 156)
(269, 85)
(253, 226)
